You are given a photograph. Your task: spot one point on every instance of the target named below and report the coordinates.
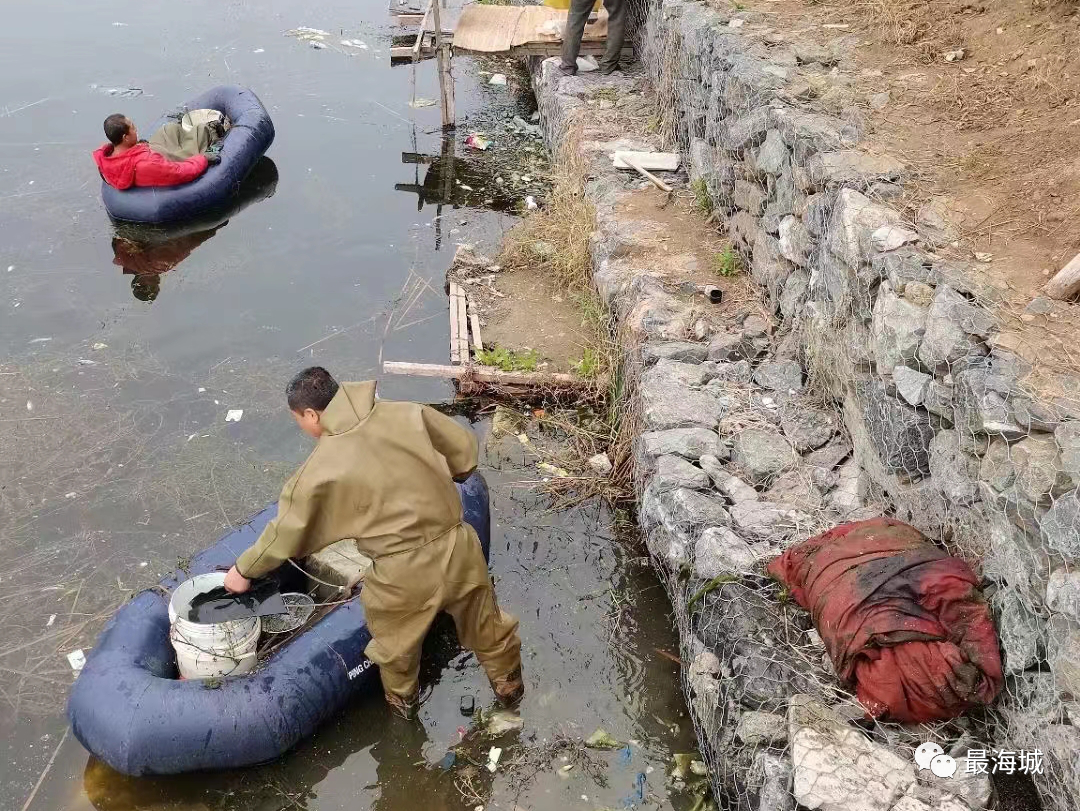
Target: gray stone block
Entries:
(1064, 654)
(756, 728)
(855, 219)
(750, 83)
(674, 472)
(1063, 593)
(719, 551)
(736, 490)
(851, 167)
(900, 434)
(768, 267)
(749, 196)
(687, 375)
(911, 384)
(684, 351)
(955, 472)
(668, 404)
(745, 131)
(743, 228)
(1067, 436)
(1019, 631)
(947, 340)
(898, 329)
(795, 292)
(761, 454)
(817, 132)
(939, 400)
(1060, 527)
(738, 372)
(780, 375)
(773, 156)
(689, 443)
(980, 402)
(1039, 475)
(818, 212)
(684, 511)
(795, 241)
(808, 427)
(766, 521)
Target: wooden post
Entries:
(446, 77)
(1066, 282)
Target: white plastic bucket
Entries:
(210, 651)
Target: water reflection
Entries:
(449, 180)
(146, 252)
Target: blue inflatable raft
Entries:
(251, 135)
(129, 708)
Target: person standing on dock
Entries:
(383, 474)
(575, 30)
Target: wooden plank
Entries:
(408, 19)
(653, 161)
(455, 341)
(482, 374)
(459, 326)
(463, 327)
(498, 29)
(406, 52)
(1066, 282)
(474, 324)
(420, 34)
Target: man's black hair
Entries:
(116, 127)
(312, 388)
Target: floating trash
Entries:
(602, 739)
(120, 92)
(234, 415)
(478, 141)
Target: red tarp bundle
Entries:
(902, 621)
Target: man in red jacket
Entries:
(126, 161)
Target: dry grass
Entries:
(914, 24)
(565, 226)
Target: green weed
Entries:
(590, 364)
(509, 360)
(702, 199)
(727, 262)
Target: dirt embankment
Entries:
(980, 101)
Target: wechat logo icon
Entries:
(931, 756)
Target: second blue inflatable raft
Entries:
(251, 135)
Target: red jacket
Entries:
(141, 166)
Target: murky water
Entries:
(592, 617)
(115, 456)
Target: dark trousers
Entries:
(575, 29)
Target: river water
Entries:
(115, 456)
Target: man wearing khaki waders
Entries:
(383, 474)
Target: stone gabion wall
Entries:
(880, 382)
